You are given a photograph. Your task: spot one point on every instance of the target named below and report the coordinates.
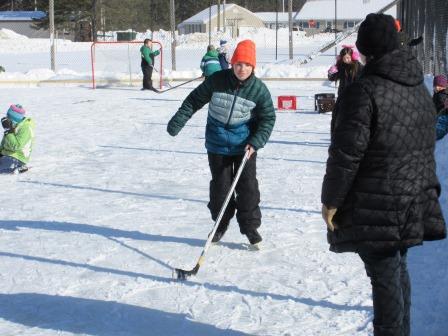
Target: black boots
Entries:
(222, 228)
(253, 236)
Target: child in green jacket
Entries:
(17, 142)
(147, 64)
(210, 62)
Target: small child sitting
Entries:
(17, 142)
(440, 99)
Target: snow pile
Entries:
(7, 34)
(90, 234)
(291, 71)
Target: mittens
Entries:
(172, 128)
(333, 69)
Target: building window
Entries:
(349, 24)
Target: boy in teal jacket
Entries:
(241, 117)
(17, 142)
(210, 62)
(147, 64)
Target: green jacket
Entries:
(239, 113)
(19, 144)
(210, 63)
(148, 55)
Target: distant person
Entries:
(347, 68)
(380, 194)
(240, 119)
(223, 55)
(440, 99)
(404, 38)
(210, 62)
(148, 55)
(17, 142)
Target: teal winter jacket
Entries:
(210, 63)
(239, 113)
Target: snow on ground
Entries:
(89, 236)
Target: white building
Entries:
(318, 15)
(232, 18)
(21, 22)
(270, 19)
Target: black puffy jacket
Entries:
(381, 172)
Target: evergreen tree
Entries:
(66, 13)
(139, 15)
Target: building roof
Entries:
(21, 15)
(203, 16)
(346, 9)
(270, 16)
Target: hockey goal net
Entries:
(118, 63)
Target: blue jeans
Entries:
(441, 126)
(10, 165)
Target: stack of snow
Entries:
(7, 34)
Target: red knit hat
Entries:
(244, 53)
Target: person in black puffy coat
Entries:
(380, 191)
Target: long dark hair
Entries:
(350, 69)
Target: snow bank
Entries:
(7, 34)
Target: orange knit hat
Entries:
(397, 25)
(244, 53)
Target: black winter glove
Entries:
(172, 129)
(7, 124)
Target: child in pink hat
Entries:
(347, 68)
(17, 142)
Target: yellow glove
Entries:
(327, 215)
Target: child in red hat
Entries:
(240, 119)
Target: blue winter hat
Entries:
(222, 42)
(16, 113)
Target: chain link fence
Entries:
(428, 18)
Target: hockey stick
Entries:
(183, 83)
(342, 36)
(181, 274)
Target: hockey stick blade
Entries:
(183, 275)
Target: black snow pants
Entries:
(246, 203)
(147, 76)
(391, 292)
